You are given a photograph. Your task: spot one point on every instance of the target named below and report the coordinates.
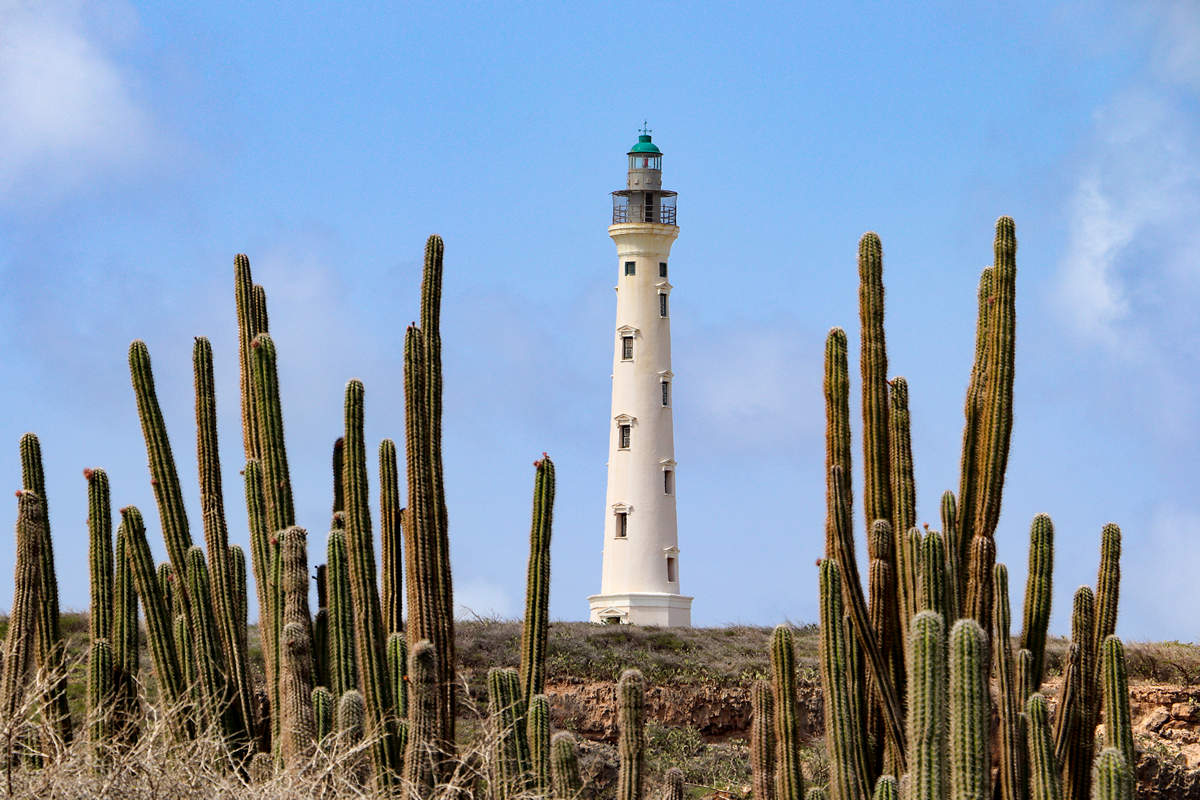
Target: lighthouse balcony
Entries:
(635, 206)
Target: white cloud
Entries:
(71, 113)
(1158, 584)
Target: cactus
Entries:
(1074, 739)
(1111, 778)
(631, 744)
(949, 512)
(673, 780)
(51, 649)
(508, 719)
(904, 498)
(1024, 680)
(849, 775)
(886, 788)
(877, 492)
(1013, 765)
(369, 642)
(187, 661)
(789, 780)
(1108, 585)
(237, 566)
(762, 741)
(100, 555)
(857, 609)
(351, 725)
(216, 537)
(1038, 585)
(1118, 726)
(538, 736)
(537, 583)
(22, 618)
(935, 592)
(970, 713)
(564, 767)
(981, 559)
(298, 725)
(343, 670)
(814, 793)
(968, 475)
(391, 535)
(837, 420)
(885, 625)
(323, 717)
(397, 663)
(927, 705)
(339, 491)
(277, 485)
(100, 694)
(421, 755)
(125, 640)
(243, 290)
(259, 305)
(1043, 765)
(219, 703)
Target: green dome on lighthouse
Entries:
(644, 145)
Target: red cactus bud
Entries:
(87, 473)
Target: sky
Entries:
(142, 146)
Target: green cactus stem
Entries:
(970, 713)
(762, 740)
(815, 793)
(904, 496)
(1038, 587)
(323, 717)
(391, 536)
(1074, 741)
(673, 788)
(126, 656)
(935, 591)
(397, 664)
(537, 583)
(220, 705)
(877, 497)
(886, 788)
(100, 555)
(631, 742)
(1118, 725)
(789, 780)
(1024, 676)
(243, 291)
(1043, 765)
(1111, 778)
(22, 618)
(1108, 585)
(949, 512)
(277, 485)
(509, 726)
(969, 474)
(927, 698)
(343, 670)
(422, 755)
(564, 767)
(849, 775)
(51, 649)
(100, 697)
(538, 735)
(1013, 764)
(298, 725)
(837, 419)
(885, 625)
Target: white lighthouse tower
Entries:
(640, 579)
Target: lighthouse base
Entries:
(642, 608)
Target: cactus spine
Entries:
(22, 618)
(927, 705)
(537, 583)
(369, 642)
(391, 535)
(422, 752)
(970, 713)
(1037, 595)
(848, 769)
(564, 767)
(216, 537)
(837, 420)
(762, 741)
(631, 721)
(1111, 778)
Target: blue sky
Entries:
(141, 147)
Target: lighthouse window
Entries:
(668, 481)
(662, 305)
(630, 267)
(622, 524)
(672, 571)
(666, 393)
(662, 269)
(626, 348)
(624, 433)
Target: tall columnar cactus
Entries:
(507, 714)
(422, 753)
(339, 490)
(949, 513)
(369, 636)
(631, 744)
(126, 656)
(564, 767)
(237, 565)
(789, 780)
(1075, 747)
(51, 649)
(101, 720)
(1024, 680)
(218, 694)
(886, 788)
(323, 716)
(856, 608)
(277, 484)
(980, 560)
(673, 788)
(165, 576)
(343, 670)
(391, 536)
(160, 636)
(234, 658)
(293, 548)
(904, 496)
(397, 664)
(995, 419)
(1013, 764)
(968, 470)
(100, 555)
(837, 419)
(927, 705)
(1038, 585)
(1043, 765)
(885, 624)
(259, 304)
(877, 495)
(762, 740)
(261, 559)
(298, 724)
(243, 290)
(935, 592)
(1111, 778)
(1118, 727)
(970, 713)
(1108, 585)
(351, 726)
(185, 647)
(164, 478)
(537, 583)
(538, 735)
(849, 776)
(27, 597)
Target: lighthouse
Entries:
(639, 581)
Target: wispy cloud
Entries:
(71, 112)
(1164, 612)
